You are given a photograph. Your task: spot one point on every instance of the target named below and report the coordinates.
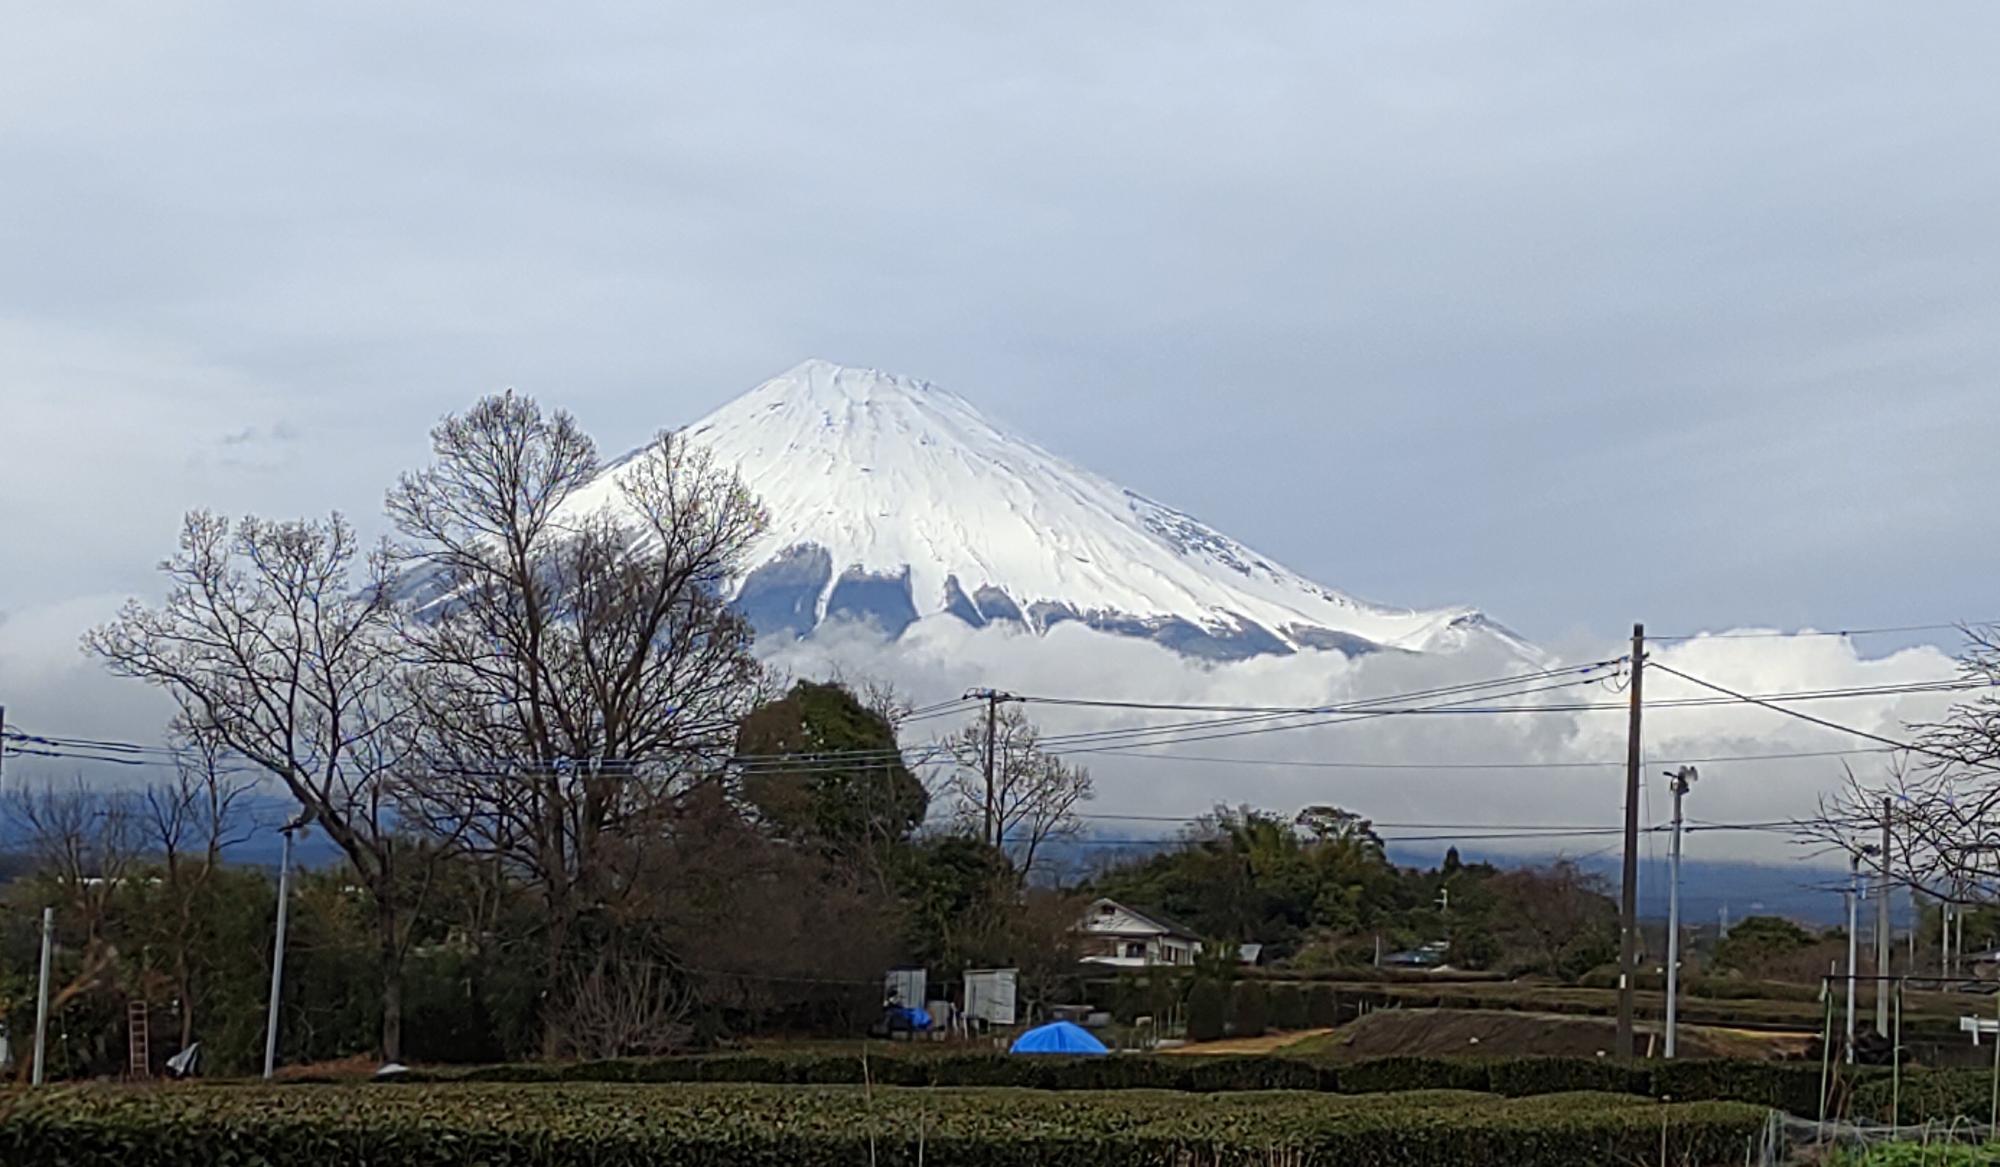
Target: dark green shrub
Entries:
(1791, 1086)
(1237, 1072)
(1925, 1096)
(1249, 1009)
(1322, 1007)
(1207, 1010)
(1517, 1077)
(1788, 1086)
(1287, 1006)
(1378, 1075)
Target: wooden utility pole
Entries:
(1628, 896)
(1882, 929)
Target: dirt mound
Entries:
(1433, 1032)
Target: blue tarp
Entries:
(1058, 1037)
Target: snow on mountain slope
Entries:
(892, 500)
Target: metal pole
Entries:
(42, 995)
(1993, 1115)
(1853, 946)
(278, 957)
(1682, 779)
(1628, 890)
(1944, 939)
(1882, 929)
(1896, 1064)
(1825, 1054)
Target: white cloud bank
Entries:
(1330, 763)
(49, 687)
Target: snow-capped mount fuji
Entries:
(892, 501)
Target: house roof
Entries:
(1160, 920)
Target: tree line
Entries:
(539, 739)
(577, 817)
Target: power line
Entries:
(1767, 634)
(1820, 721)
(1440, 691)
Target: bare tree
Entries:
(201, 811)
(278, 653)
(85, 843)
(190, 821)
(619, 1007)
(1553, 911)
(579, 668)
(1035, 794)
(1943, 794)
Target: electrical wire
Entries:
(1909, 747)
(1804, 632)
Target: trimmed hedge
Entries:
(1248, 1009)
(1207, 1009)
(1287, 1004)
(1789, 1086)
(763, 1126)
(1928, 1095)
(1322, 1007)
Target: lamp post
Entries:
(278, 945)
(1680, 779)
(1854, 892)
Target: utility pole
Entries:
(1682, 779)
(1958, 940)
(42, 996)
(1628, 900)
(1882, 930)
(1853, 945)
(989, 812)
(278, 945)
(1944, 938)
(992, 725)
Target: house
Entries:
(1127, 937)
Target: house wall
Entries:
(1113, 935)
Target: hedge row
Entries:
(1928, 1096)
(1790, 1086)
(764, 1126)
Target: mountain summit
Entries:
(893, 500)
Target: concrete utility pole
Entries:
(1853, 945)
(992, 737)
(1958, 940)
(1681, 780)
(278, 945)
(1882, 929)
(1628, 895)
(42, 996)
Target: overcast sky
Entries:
(1579, 313)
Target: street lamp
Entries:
(1853, 932)
(278, 946)
(1680, 779)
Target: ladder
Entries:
(137, 1033)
